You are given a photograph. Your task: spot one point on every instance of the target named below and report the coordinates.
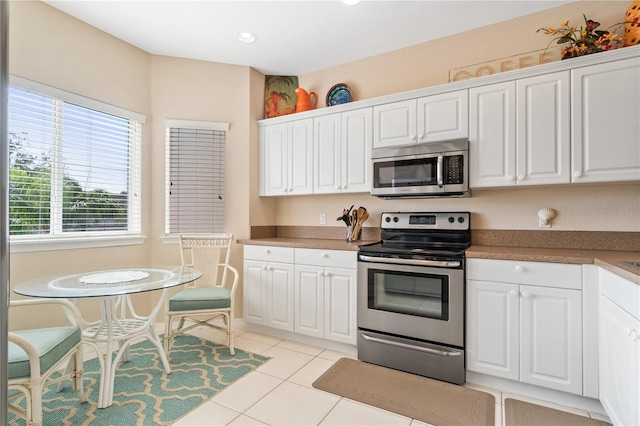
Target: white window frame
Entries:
(71, 240)
(182, 124)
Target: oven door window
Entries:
(409, 293)
(402, 173)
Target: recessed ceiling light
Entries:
(351, 2)
(246, 37)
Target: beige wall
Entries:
(52, 48)
(612, 207)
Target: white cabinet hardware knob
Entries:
(513, 292)
(511, 178)
(526, 294)
(519, 268)
(629, 331)
(320, 273)
(520, 177)
(635, 336)
(324, 254)
(267, 251)
(577, 174)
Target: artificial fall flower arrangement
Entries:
(584, 40)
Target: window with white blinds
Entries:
(74, 165)
(195, 177)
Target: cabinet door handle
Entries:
(513, 292)
(323, 254)
(511, 178)
(520, 177)
(526, 294)
(519, 268)
(577, 174)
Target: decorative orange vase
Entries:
(632, 24)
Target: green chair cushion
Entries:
(51, 344)
(195, 299)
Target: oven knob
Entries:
(451, 219)
(461, 219)
(387, 219)
(395, 219)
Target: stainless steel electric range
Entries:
(411, 294)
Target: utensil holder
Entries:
(350, 233)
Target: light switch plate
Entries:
(323, 218)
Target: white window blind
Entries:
(195, 177)
(74, 170)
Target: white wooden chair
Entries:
(209, 301)
(35, 354)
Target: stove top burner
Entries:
(441, 235)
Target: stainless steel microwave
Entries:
(424, 170)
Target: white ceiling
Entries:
(293, 37)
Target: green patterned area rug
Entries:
(144, 394)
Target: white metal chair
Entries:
(210, 298)
(35, 354)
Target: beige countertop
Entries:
(312, 243)
(609, 260)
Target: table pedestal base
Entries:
(117, 333)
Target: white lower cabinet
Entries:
(268, 286)
(524, 322)
(313, 294)
(619, 340)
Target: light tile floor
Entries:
(280, 393)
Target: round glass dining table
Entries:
(119, 324)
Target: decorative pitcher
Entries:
(305, 101)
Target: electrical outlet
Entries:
(323, 218)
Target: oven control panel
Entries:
(423, 220)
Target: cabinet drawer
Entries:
(533, 273)
(269, 253)
(622, 292)
(331, 258)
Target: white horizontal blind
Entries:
(196, 179)
(74, 171)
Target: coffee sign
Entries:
(505, 64)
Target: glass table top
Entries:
(108, 282)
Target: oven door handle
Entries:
(412, 347)
(415, 262)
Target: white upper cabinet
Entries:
(286, 158)
(428, 119)
(492, 134)
(605, 139)
(342, 152)
(394, 124)
(519, 132)
(542, 129)
(443, 117)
